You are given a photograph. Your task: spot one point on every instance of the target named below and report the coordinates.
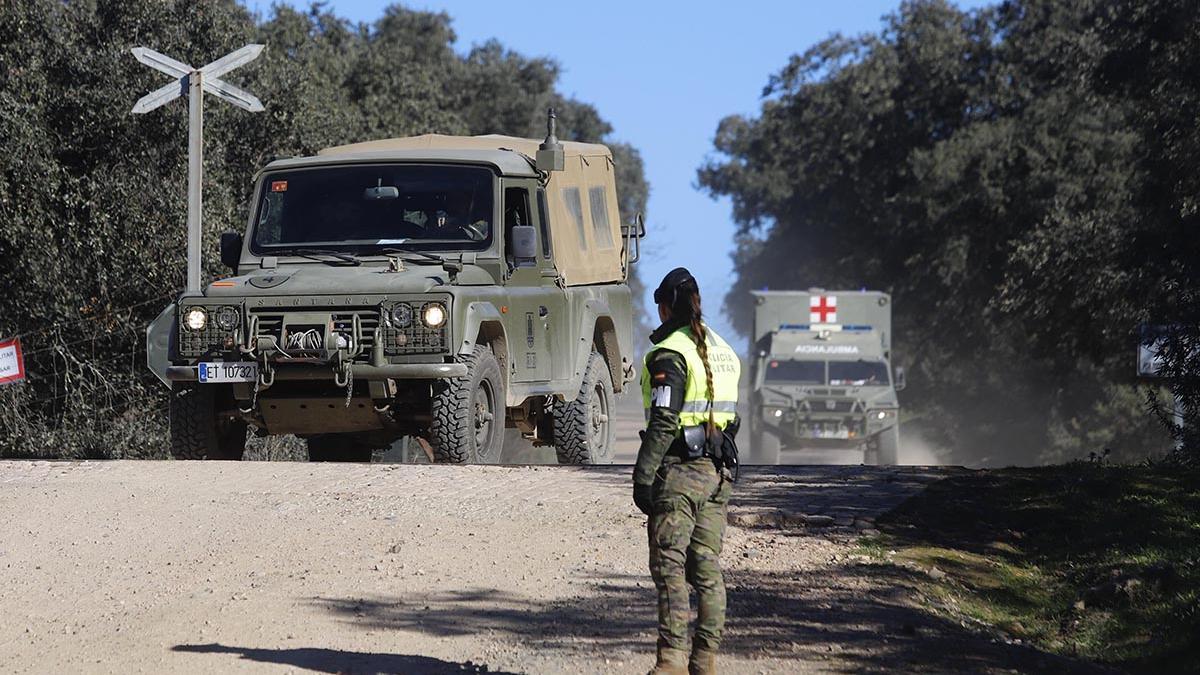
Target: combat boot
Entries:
(670, 662)
(703, 662)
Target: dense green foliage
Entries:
(1082, 560)
(93, 198)
(1020, 177)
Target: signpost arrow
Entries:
(159, 97)
(195, 82)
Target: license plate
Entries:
(228, 372)
(840, 434)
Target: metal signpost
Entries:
(196, 81)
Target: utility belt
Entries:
(694, 442)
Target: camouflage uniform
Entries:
(687, 520)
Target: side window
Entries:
(544, 220)
(575, 207)
(596, 199)
(516, 212)
(270, 218)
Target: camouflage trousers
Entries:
(685, 531)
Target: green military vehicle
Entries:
(435, 287)
(821, 375)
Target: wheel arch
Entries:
(604, 341)
(596, 323)
(484, 326)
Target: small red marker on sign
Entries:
(279, 186)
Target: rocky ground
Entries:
(274, 567)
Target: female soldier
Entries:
(689, 389)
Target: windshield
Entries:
(841, 373)
(858, 373)
(796, 372)
(360, 208)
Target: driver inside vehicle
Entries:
(446, 216)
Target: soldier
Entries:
(682, 479)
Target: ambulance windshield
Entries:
(858, 373)
(840, 373)
(796, 372)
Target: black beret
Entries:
(675, 279)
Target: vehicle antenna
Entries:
(550, 155)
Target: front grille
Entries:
(270, 323)
(838, 406)
(368, 321)
(375, 324)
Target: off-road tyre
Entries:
(584, 432)
(196, 430)
(766, 445)
(468, 412)
(338, 448)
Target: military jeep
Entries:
(436, 287)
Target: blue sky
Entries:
(664, 74)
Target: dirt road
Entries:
(275, 567)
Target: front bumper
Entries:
(394, 371)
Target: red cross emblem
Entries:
(822, 309)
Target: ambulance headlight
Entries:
(196, 318)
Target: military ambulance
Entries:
(438, 287)
(821, 375)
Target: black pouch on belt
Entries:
(694, 441)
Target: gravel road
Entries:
(288, 567)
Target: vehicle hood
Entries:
(322, 279)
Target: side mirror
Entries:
(231, 250)
(523, 245)
(900, 382)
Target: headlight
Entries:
(196, 318)
(401, 315)
(227, 318)
(434, 315)
(881, 414)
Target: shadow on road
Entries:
(861, 621)
(337, 661)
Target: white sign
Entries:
(12, 364)
(827, 349)
(209, 78)
(1150, 361)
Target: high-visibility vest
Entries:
(726, 369)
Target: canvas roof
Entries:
(526, 146)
